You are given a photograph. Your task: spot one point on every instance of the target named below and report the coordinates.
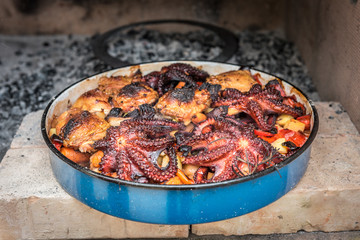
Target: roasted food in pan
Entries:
(181, 125)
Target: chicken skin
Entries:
(131, 96)
(93, 101)
(240, 80)
(183, 103)
(112, 85)
(80, 129)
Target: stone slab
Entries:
(34, 206)
(28, 134)
(327, 211)
(334, 119)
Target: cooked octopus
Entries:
(171, 75)
(183, 103)
(80, 129)
(131, 96)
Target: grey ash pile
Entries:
(35, 68)
(146, 45)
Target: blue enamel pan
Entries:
(175, 204)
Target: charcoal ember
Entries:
(48, 70)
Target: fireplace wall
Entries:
(327, 33)
(94, 16)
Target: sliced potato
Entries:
(115, 121)
(52, 131)
(208, 110)
(283, 119)
(187, 122)
(172, 134)
(232, 111)
(179, 163)
(294, 125)
(165, 161)
(189, 127)
(190, 170)
(277, 144)
(244, 168)
(100, 114)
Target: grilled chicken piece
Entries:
(93, 101)
(112, 85)
(183, 103)
(80, 129)
(240, 80)
(131, 96)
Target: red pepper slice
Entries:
(56, 144)
(298, 139)
(263, 133)
(291, 101)
(306, 120)
(268, 139)
(56, 141)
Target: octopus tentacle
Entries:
(274, 84)
(152, 79)
(260, 103)
(216, 124)
(255, 111)
(231, 146)
(108, 162)
(224, 172)
(200, 175)
(150, 168)
(278, 107)
(132, 148)
(124, 166)
(197, 74)
(152, 145)
(207, 140)
(166, 79)
(208, 156)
